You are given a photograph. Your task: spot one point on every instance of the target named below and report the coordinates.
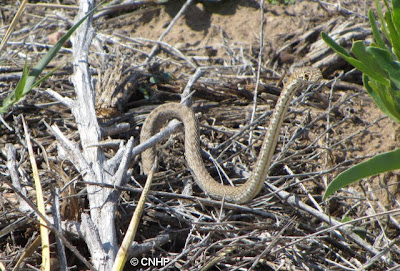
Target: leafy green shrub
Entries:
(381, 77)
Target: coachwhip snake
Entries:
(247, 191)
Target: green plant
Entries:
(381, 77)
(29, 77)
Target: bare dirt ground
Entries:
(327, 130)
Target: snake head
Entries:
(308, 74)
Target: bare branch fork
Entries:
(98, 227)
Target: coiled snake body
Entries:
(247, 191)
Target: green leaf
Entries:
(393, 34)
(345, 219)
(381, 19)
(16, 94)
(396, 14)
(144, 91)
(381, 96)
(44, 78)
(153, 80)
(369, 60)
(379, 164)
(381, 78)
(27, 81)
(356, 63)
(19, 89)
(377, 36)
(37, 70)
(339, 49)
(385, 61)
(372, 90)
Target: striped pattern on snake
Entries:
(300, 78)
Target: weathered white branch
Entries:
(120, 175)
(102, 201)
(93, 241)
(71, 150)
(64, 100)
(15, 176)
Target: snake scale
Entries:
(300, 78)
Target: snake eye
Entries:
(306, 77)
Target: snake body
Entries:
(238, 194)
